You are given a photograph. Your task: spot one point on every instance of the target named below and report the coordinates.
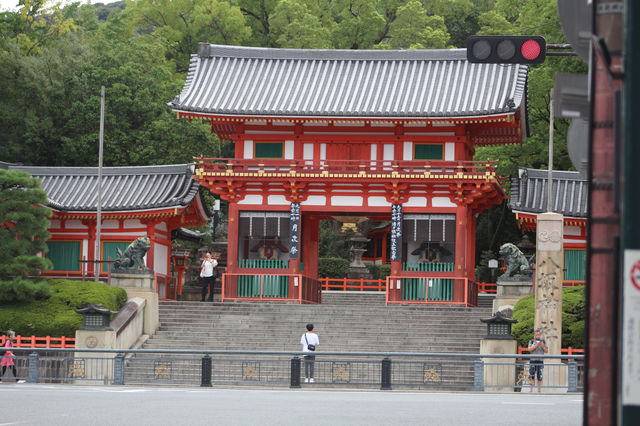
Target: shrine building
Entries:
(386, 135)
(137, 201)
(569, 197)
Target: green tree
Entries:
(413, 29)
(23, 233)
(294, 25)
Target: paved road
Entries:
(41, 404)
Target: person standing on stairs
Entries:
(208, 275)
(309, 342)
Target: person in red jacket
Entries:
(8, 358)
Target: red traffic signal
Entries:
(506, 49)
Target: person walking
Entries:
(208, 275)
(539, 347)
(8, 358)
(309, 342)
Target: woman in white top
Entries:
(310, 342)
(208, 274)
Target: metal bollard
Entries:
(573, 376)
(478, 376)
(33, 368)
(295, 372)
(205, 380)
(385, 375)
(118, 370)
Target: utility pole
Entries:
(99, 210)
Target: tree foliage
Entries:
(23, 234)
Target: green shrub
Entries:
(573, 318)
(22, 289)
(332, 267)
(56, 316)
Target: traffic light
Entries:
(506, 49)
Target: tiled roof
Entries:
(569, 193)
(124, 188)
(230, 80)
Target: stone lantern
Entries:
(499, 373)
(95, 317)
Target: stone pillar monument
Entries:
(548, 293)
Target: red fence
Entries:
(345, 284)
(166, 286)
(41, 342)
(567, 351)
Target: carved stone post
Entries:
(548, 293)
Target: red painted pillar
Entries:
(233, 235)
(91, 252)
(310, 243)
(151, 233)
(461, 252)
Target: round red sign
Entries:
(635, 275)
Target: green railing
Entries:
(263, 263)
(427, 289)
(263, 286)
(428, 267)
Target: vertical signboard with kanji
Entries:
(294, 219)
(396, 232)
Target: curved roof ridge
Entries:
(206, 50)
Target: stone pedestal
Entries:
(509, 293)
(548, 291)
(499, 373)
(141, 285)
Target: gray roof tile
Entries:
(124, 188)
(231, 80)
(529, 192)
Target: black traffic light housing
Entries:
(506, 49)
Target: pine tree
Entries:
(23, 234)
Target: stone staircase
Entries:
(344, 322)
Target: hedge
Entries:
(332, 267)
(56, 316)
(573, 318)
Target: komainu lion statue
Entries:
(133, 255)
(515, 261)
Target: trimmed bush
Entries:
(332, 267)
(56, 316)
(23, 290)
(573, 318)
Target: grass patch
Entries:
(56, 315)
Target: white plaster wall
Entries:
(388, 152)
(315, 200)
(248, 149)
(374, 151)
(442, 202)
(75, 224)
(416, 202)
(307, 151)
(323, 151)
(277, 200)
(54, 223)
(449, 151)
(407, 151)
(288, 150)
(133, 223)
(346, 201)
(160, 254)
(573, 241)
(572, 230)
(161, 226)
(378, 202)
(251, 199)
(110, 224)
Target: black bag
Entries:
(312, 348)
